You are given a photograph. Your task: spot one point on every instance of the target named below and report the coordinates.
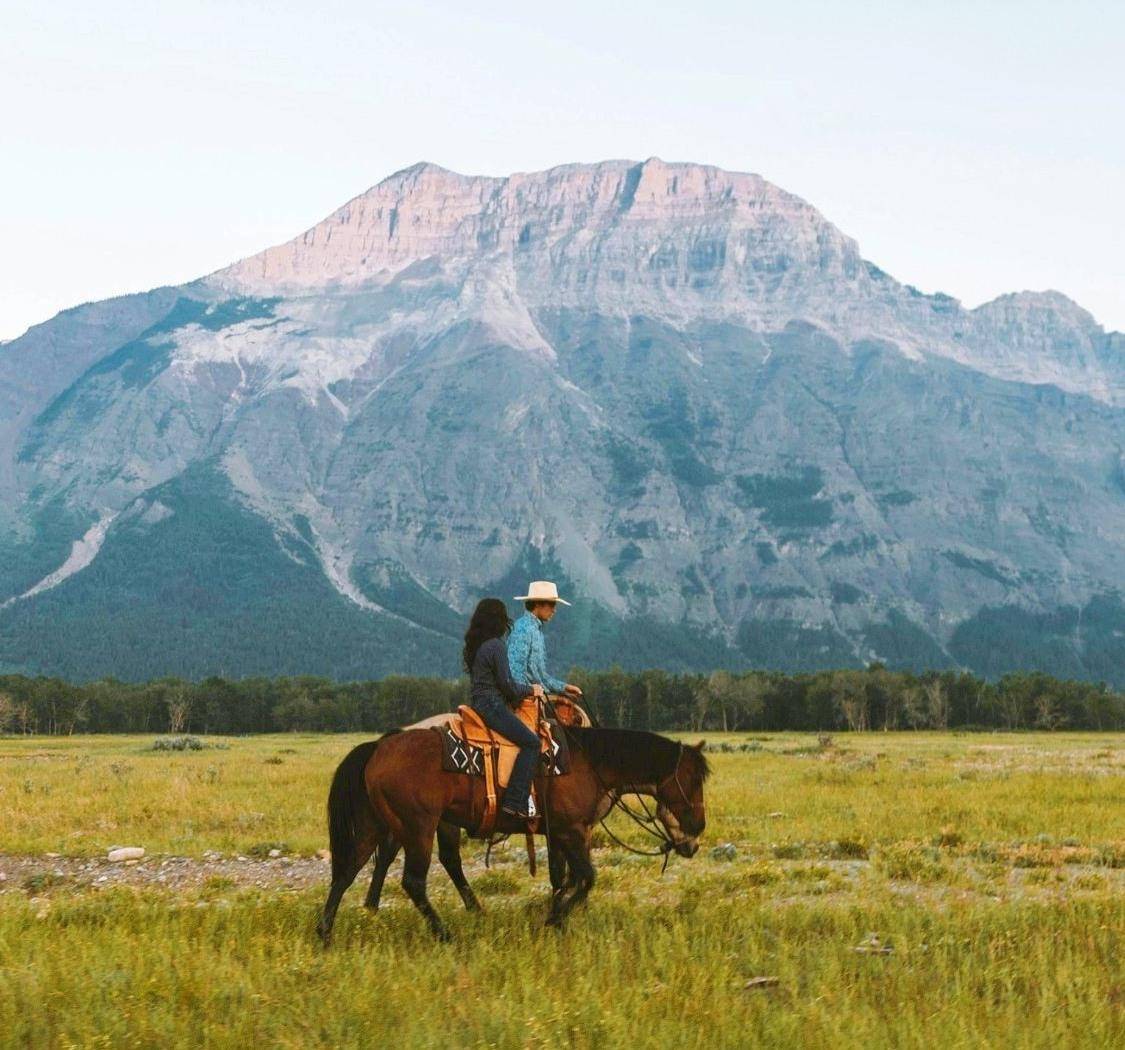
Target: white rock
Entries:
(275, 853)
(125, 853)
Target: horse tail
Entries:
(347, 800)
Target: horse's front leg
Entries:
(559, 871)
(574, 847)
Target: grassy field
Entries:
(993, 866)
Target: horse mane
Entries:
(637, 753)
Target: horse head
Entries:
(679, 800)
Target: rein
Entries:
(648, 823)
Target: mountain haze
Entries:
(680, 391)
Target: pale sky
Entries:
(972, 148)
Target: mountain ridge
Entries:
(681, 390)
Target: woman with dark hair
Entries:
(492, 691)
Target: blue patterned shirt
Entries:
(527, 655)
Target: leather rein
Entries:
(649, 822)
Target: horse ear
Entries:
(700, 746)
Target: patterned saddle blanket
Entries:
(467, 744)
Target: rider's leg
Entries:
(502, 720)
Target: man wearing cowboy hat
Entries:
(527, 649)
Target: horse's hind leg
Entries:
(449, 853)
(384, 858)
(344, 871)
(418, 842)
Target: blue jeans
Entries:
(499, 717)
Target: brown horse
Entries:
(393, 792)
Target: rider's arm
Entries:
(519, 653)
(554, 685)
(550, 682)
(498, 661)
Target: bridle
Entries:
(649, 823)
(676, 776)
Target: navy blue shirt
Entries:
(491, 681)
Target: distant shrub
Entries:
(761, 873)
(810, 873)
(42, 881)
(1112, 856)
(1034, 855)
(948, 837)
(1089, 880)
(913, 862)
(848, 848)
(178, 743)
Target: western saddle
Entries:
(465, 734)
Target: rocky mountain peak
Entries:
(672, 240)
(680, 242)
(681, 390)
(1039, 308)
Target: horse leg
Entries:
(559, 870)
(344, 871)
(576, 847)
(384, 858)
(418, 842)
(449, 853)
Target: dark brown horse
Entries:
(393, 792)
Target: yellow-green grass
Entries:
(135, 969)
(80, 795)
(993, 866)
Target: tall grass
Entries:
(138, 970)
(80, 795)
(993, 867)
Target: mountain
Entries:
(680, 391)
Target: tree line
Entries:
(871, 699)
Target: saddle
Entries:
(470, 747)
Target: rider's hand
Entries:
(572, 690)
(537, 691)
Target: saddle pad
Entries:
(457, 756)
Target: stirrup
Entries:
(530, 813)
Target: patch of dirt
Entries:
(27, 873)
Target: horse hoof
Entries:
(443, 936)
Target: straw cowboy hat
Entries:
(541, 591)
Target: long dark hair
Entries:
(490, 620)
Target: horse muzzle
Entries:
(687, 847)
